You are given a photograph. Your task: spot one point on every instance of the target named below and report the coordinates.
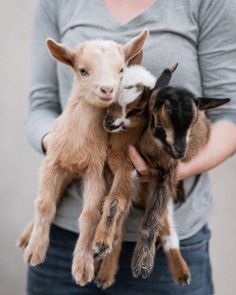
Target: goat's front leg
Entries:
(170, 243)
(144, 252)
(83, 262)
(115, 208)
(52, 181)
(109, 265)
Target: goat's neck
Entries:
(87, 117)
(79, 131)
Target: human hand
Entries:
(145, 171)
(139, 164)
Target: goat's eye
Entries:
(129, 87)
(158, 125)
(136, 111)
(122, 71)
(83, 72)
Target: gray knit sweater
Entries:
(199, 34)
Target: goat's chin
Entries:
(99, 102)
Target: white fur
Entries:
(137, 74)
(134, 174)
(102, 43)
(132, 76)
(171, 241)
(120, 121)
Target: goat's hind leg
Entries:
(145, 248)
(52, 181)
(170, 243)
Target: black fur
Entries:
(179, 106)
(113, 208)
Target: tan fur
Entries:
(109, 266)
(124, 187)
(78, 147)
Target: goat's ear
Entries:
(134, 46)
(206, 103)
(152, 100)
(61, 52)
(137, 59)
(165, 77)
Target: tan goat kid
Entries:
(78, 147)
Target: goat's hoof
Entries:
(184, 282)
(184, 279)
(142, 263)
(22, 242)
(104, 283)
(83, 270)
(106, 275)
(180, 270)
(35, 252)
(101, 249)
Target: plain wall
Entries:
(19, 164)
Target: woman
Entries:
(199, 35)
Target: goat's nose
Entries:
(106, 89)
(109, 120)
(180, 150)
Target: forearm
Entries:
(221, 145)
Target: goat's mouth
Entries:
(105, 98)
(114, 128)
(177, 154)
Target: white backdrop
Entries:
(19, 164)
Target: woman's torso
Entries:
(174, 33)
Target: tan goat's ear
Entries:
(137, 59)
(61, 52)
(135, 45)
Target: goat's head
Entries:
(98, 65)
(174, 111)
(135, 88)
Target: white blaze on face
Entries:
(133, 76)
(169, 136)
(129, 91)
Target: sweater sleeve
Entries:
(44, 105)
(217, 54)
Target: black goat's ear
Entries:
(146, 93)
(206, 103)
(152, 100)
(165, 77)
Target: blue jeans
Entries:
(53, 277)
